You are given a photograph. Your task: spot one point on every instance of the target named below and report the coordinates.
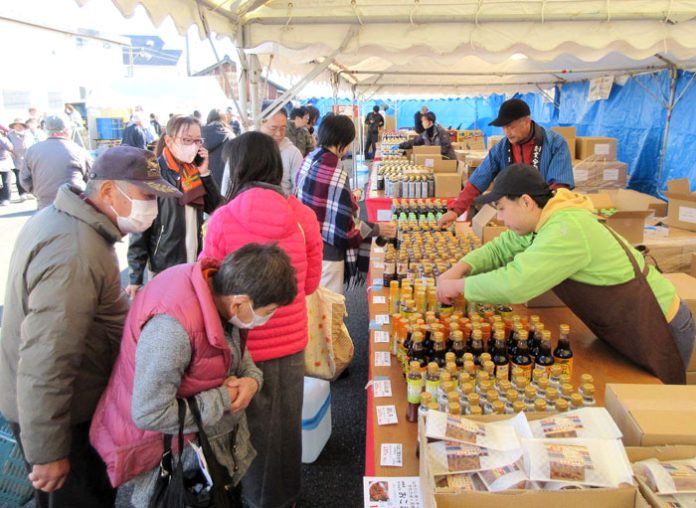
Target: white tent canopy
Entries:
(445, 47)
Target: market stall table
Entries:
(590, 356)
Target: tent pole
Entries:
(396, 114)
(254, 70)
(673, 74)
(243, 88)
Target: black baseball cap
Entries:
(135, 166)
(511, 110)
(516, 180)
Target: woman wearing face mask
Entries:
(175, 235)
(323, 185)
(259, 211)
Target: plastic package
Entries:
(589, 422)
(507, 477)
(448, 457)
(456, 428)
(672, 477)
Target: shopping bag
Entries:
(15, 487)
(329, 348)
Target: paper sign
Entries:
(382, 319)
(581, 175)
(379, 299)
(381, 337)
(386, 415)
(381, 388)
(378, 283)
(429, 163)
(611, 175)
(382, 359)
(392, 492)
(392, 455)
(384, 215)
(379, 250)
(602, 149)
(600, 88)
(378, 265)
(687, 214)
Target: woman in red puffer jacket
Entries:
(259, 212)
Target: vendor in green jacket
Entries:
(555, 241)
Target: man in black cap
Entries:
(64, 314)
(556, 242)
(526, 143)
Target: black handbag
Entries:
(176, 488)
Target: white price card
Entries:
(377, 283)
(381, 388)
(391, 455)
(611, 175)
(392, 492)
(382, 359)
(382, 319)
(602, 149)
(379, 299)
(687, 214)
(378, 265)
(381, 337)
(379, 250)
(384, 215)
(386, 415)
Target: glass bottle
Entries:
(551, 398)
(542, 387)
(393, 295)
(499, 357)
(562, 406)
(530, 395)
(455, 408)
(414, 386)
(475, 411)
(458, 347)
(425, 399)
(534, 336)
(588, 395)
(576, 401)
(512, 397)
(522, 359)
(518, 406)
(432, 379)
(465, 390)
(498, 407)
(555, 377)
(586, 378)
(474, 402)
(563, 354)
(438, 350)
(491, 397)
(544, 359)
(447, 387)
(540, 406)
(476, 346)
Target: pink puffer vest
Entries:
(181, 292)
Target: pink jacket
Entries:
(264, 215)
(126, 449)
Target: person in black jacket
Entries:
(133, 135)
(433, 135)
(373, 123)
(216, 133)
(175, 235)
(418, 120)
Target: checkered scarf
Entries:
(323, 185)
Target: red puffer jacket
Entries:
(264, 215)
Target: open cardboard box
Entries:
(427, 160)
(653, 415)
(661, 453)
(629, 220)
(682, 204)
(494, 140)
(445, 166)
(621, 497)
(592, 175)
(485, 225)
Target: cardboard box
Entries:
(471, 140)
(427, 150)
(445, 166)
(661, 453)
(693, 264)
(629, 221)
(653, 415)
(447, 185)
(595, 147)
(682, 204)
(494, 140)
(593, 175)
(627, 198)
(485, 225)
(427, 160)
(622, 497)
(686, 289)
(570, 135)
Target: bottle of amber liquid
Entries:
(563, 354)
(476, 346)
(534, 339)
(522, 359)
(432, 379)
(414, 383)
(458, 347)
(544, 359)
(389, 274)
(417, 351)
(499, 357)
(438, 354)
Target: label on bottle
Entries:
(545, 368)
(526, 369)
(566, 365)
(413, 391)
(389, 268)
(502, 371)
(402, 268)
(431, 387)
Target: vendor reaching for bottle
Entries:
(556, 242)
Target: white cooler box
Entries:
(316, 418)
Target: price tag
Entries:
(384, 216)
(382, 319)
(381, 388)
(379, 299)
(377, 284)
(378, 265)
(381, 337)
(602, 149)
(379, 250)
(382, 359)
(386, 415)
(391, 455)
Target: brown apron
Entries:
(628, 317)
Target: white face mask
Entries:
(143, 213)
(256, 320)
(184, 153)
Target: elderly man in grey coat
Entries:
(64, 314)
(54, 162)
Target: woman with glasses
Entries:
(175, 235)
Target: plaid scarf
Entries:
(190, 183)
(323, 185)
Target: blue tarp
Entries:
(634, 113)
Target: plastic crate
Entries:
(109, 128)
(15, 488)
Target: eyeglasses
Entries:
(191, 141)
(275, 129)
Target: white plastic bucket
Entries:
(316, 418)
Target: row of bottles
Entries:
(418, 206)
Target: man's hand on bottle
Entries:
(387, 229)
(449, 289)
(447, 219)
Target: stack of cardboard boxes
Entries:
(448, 183)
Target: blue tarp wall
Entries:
(634, 113)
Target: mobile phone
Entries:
(198, 160)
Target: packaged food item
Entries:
(589, 422)
(507, 477)
(673, 477)
(457, 428)
(592, 462)
(448, 457)
(458, 483)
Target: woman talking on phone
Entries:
(175, 235)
